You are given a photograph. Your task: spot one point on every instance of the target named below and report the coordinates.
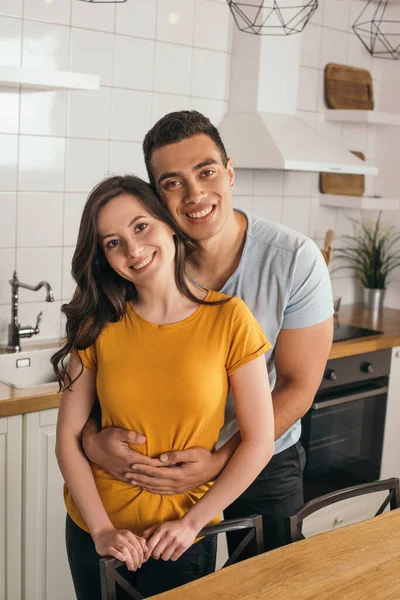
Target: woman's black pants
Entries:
(153, 577)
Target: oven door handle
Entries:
(350, 398)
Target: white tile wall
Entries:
(153, 57)
(8, 212)
(175, 21)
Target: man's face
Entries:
(194, 185)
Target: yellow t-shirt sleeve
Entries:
(247, 338)
(88, 357)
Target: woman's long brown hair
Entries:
(101, 295)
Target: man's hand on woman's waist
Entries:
(173, 473)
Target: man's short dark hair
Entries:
(178, 126)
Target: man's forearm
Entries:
(290, 402)
(90, 430)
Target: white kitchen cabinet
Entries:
(10, 506)
(46, 574)
(391, 441)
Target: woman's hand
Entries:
(123, 545)
(169, 540)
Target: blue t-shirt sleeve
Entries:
(310, 294)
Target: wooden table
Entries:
(357, 562)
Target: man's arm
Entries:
(300, 357)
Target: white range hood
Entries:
(260, 129)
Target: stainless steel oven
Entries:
(343, 430)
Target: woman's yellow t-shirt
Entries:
(170, 383)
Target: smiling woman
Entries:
(161, 354)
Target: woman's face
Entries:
(137, 246)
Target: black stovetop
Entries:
(349, 332)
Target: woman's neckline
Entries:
(184, 321)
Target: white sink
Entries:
(28, 368)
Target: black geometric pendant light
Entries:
(379, 34)
(272, 17)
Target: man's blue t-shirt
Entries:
(284, 280)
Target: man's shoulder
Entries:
(273, 236)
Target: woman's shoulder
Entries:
(232, 304)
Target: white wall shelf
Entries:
(362, 116)
(360, 202)
(47, 78)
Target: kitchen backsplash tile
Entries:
(89, 114)
(9, 110)
(7, 266)
(99, 17)
(269, 207)
(54, 12)
(137, 18)
(8, 212)
(175, 21)
(8, 162)
(244, 182)
(36, 264)
(12, 8)
(296, 213)
(133, 63)
(213, 30)
(73, 206)
(92, 52)
(127, 124)
(311, 40)
(214, 109)
(153, 57)
(10, 41)
(173, 68)
(268, 183)
(45, 45)
(39, 219)
(68, 283)
(50, 323)
(41, 163)
(43, 112)
(86, 164)
(210, 74)
(166, 103)
(127, 157)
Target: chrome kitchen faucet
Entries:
(15, 331)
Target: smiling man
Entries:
(281, 276)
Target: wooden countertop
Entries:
(388, 321)
(353, 563)
(15, 402)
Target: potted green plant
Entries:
(372, 254)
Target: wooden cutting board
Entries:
(348, 87)
(342, 184)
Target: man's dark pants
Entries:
(275, 494)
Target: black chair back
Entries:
(294, 523)
(110, 577)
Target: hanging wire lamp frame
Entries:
(380, 36)
(272, 17)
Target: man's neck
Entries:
(217, 258)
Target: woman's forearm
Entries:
(244, 466)
(79, 479)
